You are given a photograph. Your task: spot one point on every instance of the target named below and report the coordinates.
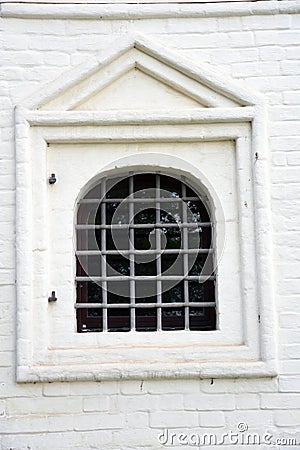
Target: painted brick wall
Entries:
(261, 48)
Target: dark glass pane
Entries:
(118, 319)
(118, 190)
(174, 237)
(202, 319)
(143, 238)
(171, 293)
(197, 262)
(145, 269)
(86, 213)
(145, 291)
(196, 292)
(144, 214)
(206, 237)
(117, 213)
(172, 264)
(95, 192)
(171, 185)
(118, 292)
(172, 319)
(195, 238)
(94, 312)
(144, 185)
(145, 319)
(88, 239)
(202, 292)
(171, 212)
(190, 192)
(118, 240)
(94, 292)
(89, 320)
(117, 265)
(89, 265)
(196, 211)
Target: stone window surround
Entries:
(40, 128)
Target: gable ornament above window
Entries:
(157, 155)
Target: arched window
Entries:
(144, 256)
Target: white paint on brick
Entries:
(287, 418)
(212, 419)
(255, 42)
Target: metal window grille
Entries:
(144, 257)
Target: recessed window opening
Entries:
(144, 257)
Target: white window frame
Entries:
(255, 354)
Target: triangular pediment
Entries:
(137, 74)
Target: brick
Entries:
(92, 404)
(2, 408)
(23, 406)
(241, 39)
(171, 386)
(247, 401)
(290, 351)
(94, 388)
(289, 384)
(98, 422)
(233, 55)
(212, 419)
(256, 420)
(272, 53)
(229, 24)
(279, 159)
(286, 175)
(255, 69)
(56, 390)
(284, 113)
(293, 52)
(191, 25)
(136, 402)
(137, 420)
(287, 418)
(209, 402)
(290, 366)
(290, 320)
(134, 387)
(239, 386)
(18, 425)
(171, 402)
(271, 22)
(280, 401)
(277, 38)
(293, 159)
(290, 67)
(171, 419)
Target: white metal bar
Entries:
(158, 248)
(200, 279)
(103, 258)
(178, 251)
(144, 225)
(144, 305)
(131, 255)
(185, 262)
(138, 200)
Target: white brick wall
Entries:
(261, 49)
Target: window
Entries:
(144, 257)
(188, 126)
